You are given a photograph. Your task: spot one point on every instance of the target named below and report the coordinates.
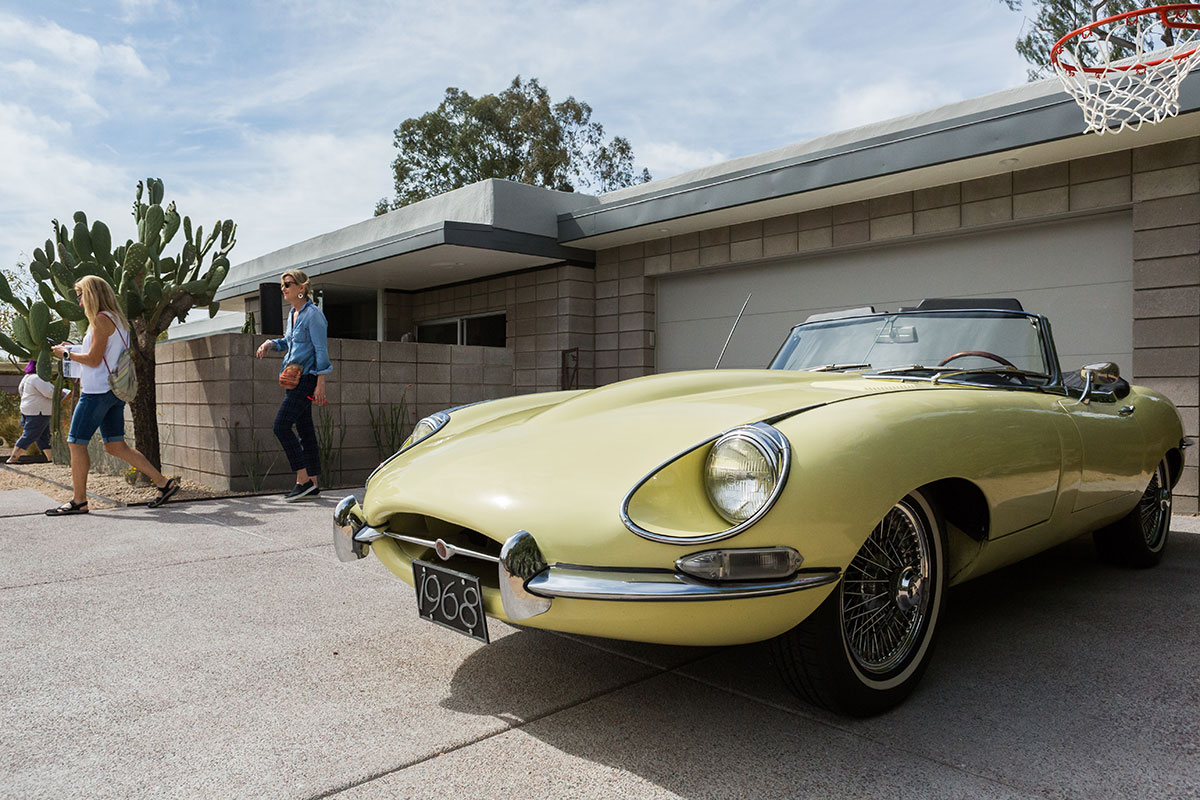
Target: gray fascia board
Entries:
(1036, 121)
(486, 237)
(465, 234)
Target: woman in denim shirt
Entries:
(304, 341)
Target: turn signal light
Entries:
(758, 563)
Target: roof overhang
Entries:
(1021, 128)
(440, 254)
(488, 228)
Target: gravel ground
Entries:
(105, 491)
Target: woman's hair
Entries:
(97, 295)
(31, 367)
(299, 277)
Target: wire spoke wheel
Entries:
(1139, 539)
(867, 645)
(1154, 509)
(885, 594)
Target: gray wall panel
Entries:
(1077, 272)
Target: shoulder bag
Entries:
(123, 379)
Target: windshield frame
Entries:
(1046, 337)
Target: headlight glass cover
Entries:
(744, 470)
(421, 431)
(425, 428)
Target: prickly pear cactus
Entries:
(153, 289)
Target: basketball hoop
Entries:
(1126, 69)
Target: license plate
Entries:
(451, 599)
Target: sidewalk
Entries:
(218, 649)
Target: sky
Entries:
(280, 114)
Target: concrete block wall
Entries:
(548, 310)
(1161, 183)
(1166, 285)
(625, 308)
(217, 402)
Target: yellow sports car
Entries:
(825, 503)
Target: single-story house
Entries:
(500, 288)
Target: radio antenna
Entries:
(734, 328)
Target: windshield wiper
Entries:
(1015, 371)
(909, 368)
(832, 367)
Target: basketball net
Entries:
(1127, 69)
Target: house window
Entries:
(485, 330)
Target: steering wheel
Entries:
(980, 354)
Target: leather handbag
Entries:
(290, 377)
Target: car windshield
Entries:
(945, 341)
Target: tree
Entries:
(1055, 19)
(154, 290)
(517, 135)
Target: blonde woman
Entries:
(305, 344)
(98, 407)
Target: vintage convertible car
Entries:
(825, 503)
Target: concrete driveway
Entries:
(218, 649)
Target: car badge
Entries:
(442, 551)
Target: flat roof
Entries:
(1029, 119)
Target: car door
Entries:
(1111, 447)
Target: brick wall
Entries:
(217, 402)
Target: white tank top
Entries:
(94, 380)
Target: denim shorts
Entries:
(103, 411)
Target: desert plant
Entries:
(254, 457)
(390, 427)
(10, 419)
(329, 446)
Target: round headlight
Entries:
(743, 471)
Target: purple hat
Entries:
(31, 367)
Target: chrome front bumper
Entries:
(528, 584)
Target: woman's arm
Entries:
(102, 329)
(318, 329)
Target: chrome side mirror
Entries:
(1104, 373)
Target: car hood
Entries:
(559, 464)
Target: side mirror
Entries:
(1105, 373)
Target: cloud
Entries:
(43, 181)
(665, 159)
(286, 187)
(884, 99)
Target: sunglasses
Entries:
(286, 285)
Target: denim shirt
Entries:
(305, 342)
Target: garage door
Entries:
(1077, 272)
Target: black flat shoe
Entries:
(165, 492)
(307, 489)
(66, 509)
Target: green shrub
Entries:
(10, 419)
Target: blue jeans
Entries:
(103, 411)
(296, 412)
(34, 428)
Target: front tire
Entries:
(1139, 539)
(866, 646)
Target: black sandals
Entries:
(165, 492)
(67, 509)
